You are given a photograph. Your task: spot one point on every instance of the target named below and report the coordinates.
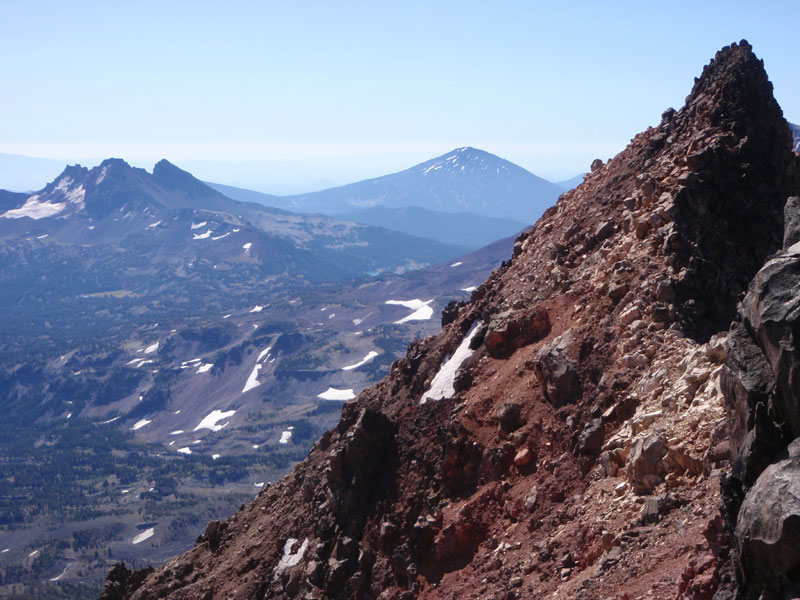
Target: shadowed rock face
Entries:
(591, 359)
(762, 390)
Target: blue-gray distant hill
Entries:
(463, 180)
(795, 136)
(571, 183)
(464, 228)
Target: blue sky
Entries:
(296, 95)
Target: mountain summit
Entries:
(563, 436)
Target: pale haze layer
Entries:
(291, 97)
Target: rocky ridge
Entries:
(578, 449)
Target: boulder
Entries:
(509, 417)
(558, 373)
(510, 330)
(791, 222)
(590, 440)
(645, 466)
(768, 530)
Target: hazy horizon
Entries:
(290, 98)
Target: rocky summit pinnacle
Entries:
(575, 447)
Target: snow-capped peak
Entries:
(463, 161)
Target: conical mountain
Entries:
(562, 436)
(463, 180)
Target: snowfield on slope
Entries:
(214, 417)
(422, 312)
(145, 535)
(442, 384)
(334, 394)
(370, 355)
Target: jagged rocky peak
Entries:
(543, 443)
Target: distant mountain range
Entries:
(173, 211)
(795, 136)
(467, 197)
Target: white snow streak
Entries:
(140, 424)
(334, 394)
(151, 349)
(145, 535)
(442, 384)
(370, 355)
(199, 225)
(422, 312)
(252, 380)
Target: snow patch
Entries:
(219, 237)
(34, 208)
(422, 312)
(457, 264)
(214, 456)
(185, 450)
(202, 236)
(289, 558)
(334, 394)
(264, 353)
(285, 437)
(252, 380)
(211, 420)
(145, 535)
(204, 368)
(176, 432)
(153, 225)
(199, 225)
(247, 246)
(370, 355)
(256, 308)
(442, 384)
(32, 554)
(152, 348)
(469, 289)
(140, 424)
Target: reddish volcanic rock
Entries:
(594, 379)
